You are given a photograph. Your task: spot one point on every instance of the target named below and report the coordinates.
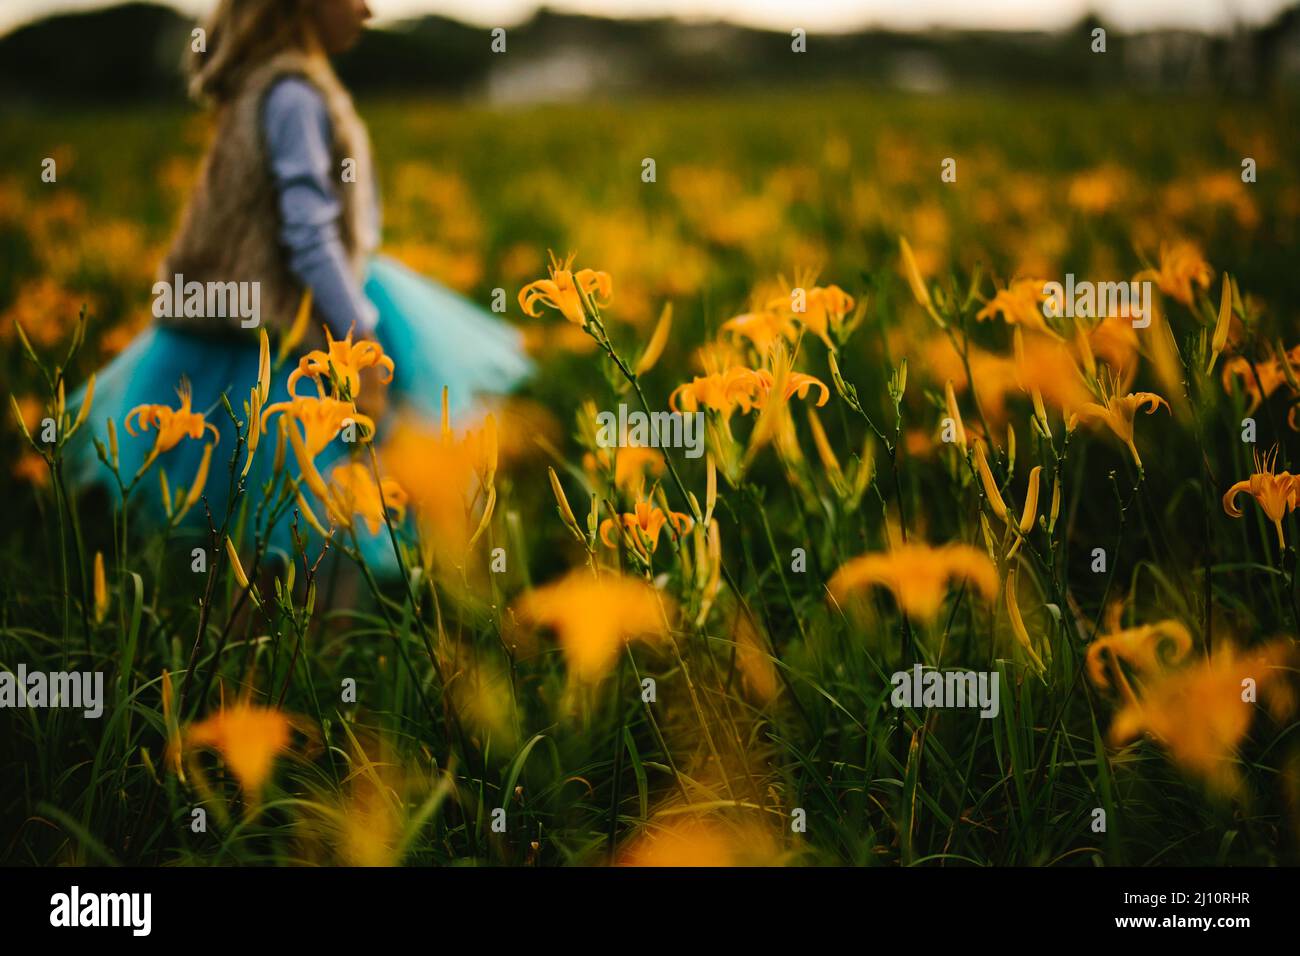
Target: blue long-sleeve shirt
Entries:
(296, 126)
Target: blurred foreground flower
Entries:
(248, 738)
(594, 616)
(1143, 648)
(1181, 267)
(1200, 714)
(699, 843)
(918, 575)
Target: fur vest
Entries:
(230, 231)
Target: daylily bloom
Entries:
(562, 291)
(917, 574)
(796, 384)
(825, 308)
(764, 328)
(631, 463)
(1181, 267)
(643, 526)
(1276, 493)
(1020, 303)
(700, 842)
(593, 617)
(347, 360)
(725, 391)
(248, 738)
(1200, 714)
(321, 419)
(1270, 371)
(448, 479)
(1140, 647)
(352, 491)
(173, 424)
(1117, 414)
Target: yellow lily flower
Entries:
(1271, 374)
(1276, 493)
(1181, 267)
(248, 738)
(725, 391)
(563, 291)
(918, 575)
(643, 527)
(321, 419)
(764, 328)
(1020, 303)
(631, 464)
(1117, 414)
(825, 308)
(173, 424)
(1199, 716)
(347, 359)
(594, 617)
(1142, 648)
(353, 491)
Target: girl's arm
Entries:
(297, 130)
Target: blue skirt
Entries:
(436, 338)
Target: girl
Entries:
(286, 203)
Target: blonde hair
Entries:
(241, 34)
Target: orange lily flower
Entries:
(917, 574)
(1198, 714)
(764, 328)
(1021, 303)
(173, 424)
(736, 387)
(248, 738)
(1117, 413)
(1181, 267)
(1140, 647)
(321, 419)
(347, 358)
(352, 491)
(644, 526)
(1276, 493)
(593, 617)
(562, 291)
(796, 383)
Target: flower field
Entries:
(915, 477)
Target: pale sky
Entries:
(827, 15)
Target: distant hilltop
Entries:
(135, 50)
